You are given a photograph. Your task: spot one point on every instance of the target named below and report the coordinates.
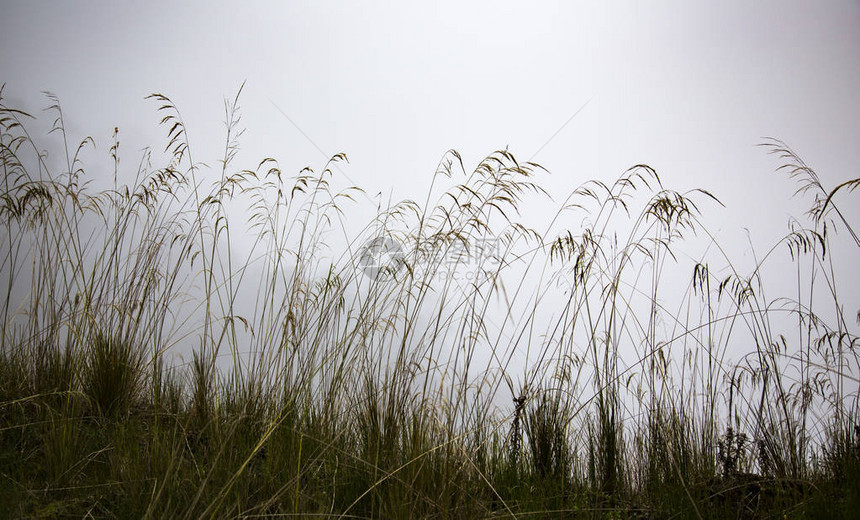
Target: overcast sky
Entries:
(586, 89)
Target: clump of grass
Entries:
(570, 375)
(112, 375)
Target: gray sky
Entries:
(686, 87)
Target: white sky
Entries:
(686, 87)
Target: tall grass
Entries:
(194, 344)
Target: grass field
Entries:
(586, 369)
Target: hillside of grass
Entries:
(183, 340)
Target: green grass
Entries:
(589, 372)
